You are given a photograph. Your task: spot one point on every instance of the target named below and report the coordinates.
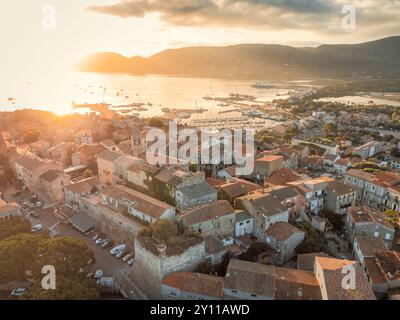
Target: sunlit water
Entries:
(57, 92)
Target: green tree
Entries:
(164, 229)
(330, 129)
(393, 217)
(13, 226)
(31, 135)
(67, 288)
(88, 173)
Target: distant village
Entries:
(324, 195)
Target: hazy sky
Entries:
(144, 27)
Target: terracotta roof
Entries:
(109, 155)
(339, 188)
(83, 186)
(50, 175)
(360, 174)
(306, 261)
(269, 158)
(389, 264)
(265, 203)
(141, 202)
(255, 278)
(28, 162)
(239, 188)
(364, 214)
(282, 231)
(91, 150)
(198, 283)
(282, 177)
(206, 212)
(292, 284)
(369, 246)
(333, 277)
(214, 182)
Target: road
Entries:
(56, 223)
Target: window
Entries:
(253, 295)
(376, 234)
(387, 236)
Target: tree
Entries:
(393, 217)
(88, 173)
(31, 135)
(330, 129)
(164, 229)
(75, 288)
(155, 122)
(13, 226)
(314, 240)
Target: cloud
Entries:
(319, 15)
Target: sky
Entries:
(51, 34)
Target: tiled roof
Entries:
(364, 214)
(50, 175)
(83, 186)
(282, 177)
(91, 150)
(282, 231)
(306, 261)
(339, 188)
(206, 212)
(198, 283)
(369, 246)
(28, 162)
(142, 203)
(239, 188)
(109, 155)
(265, 203)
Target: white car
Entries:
(96, 236)
(118, 249)
(18, 292)
(130, 262)
(99, 273)
(38, 204)
(127, 257)
(101, 241)
(37, 228)
(120, 254)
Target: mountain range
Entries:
(264, 61)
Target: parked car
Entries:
(38, 204)
(108, 245)
(101, 241)
(118, 249)
(127, 257)
(120, 254)
(104, 244)
(37, 228)
(90, 275)
(130, 262)
(99, 273)
(96, 236)
(19, 292)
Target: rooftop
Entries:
(364, 214)
(51, 175)
(109, 155)
(282, 231)
(369, 246)
(339, 188)
(306, 261)
(206, 212)
(198, 283)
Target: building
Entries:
(265, 210)
(83, 137)
(29, 169)
(368, 150)
(236, 188)
(193, 195)
(329, 148)
(265, 166)
(330, 273)
(281, 177)
(339, 197)
(155, 260)
(365, 221)
(87, 154)
(253, 281)
(306, 261)
(74, 191)
(284, 239)
(216, 218)
(244, 223)
(61, 152)
(383, 271)
(136, 204)
(192, 286)
(367, 247)
(342, 165)
(51, 186)
(8, 210)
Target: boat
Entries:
(262, 85)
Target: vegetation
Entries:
(330, 129)
(31, 135)
(13, 226)
(155, 122)
(314, 240)
(88, 173)
(393, 217)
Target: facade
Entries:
(367, 247)
(265, 210)
(51, 186)
(368, 150)
(365, 221)
(74, 191)
(136, 204)
(284, 239)
(8, 210)
(244, 223)
(265, 166)
(339, 197)
(83, 137)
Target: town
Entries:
(78, 193)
